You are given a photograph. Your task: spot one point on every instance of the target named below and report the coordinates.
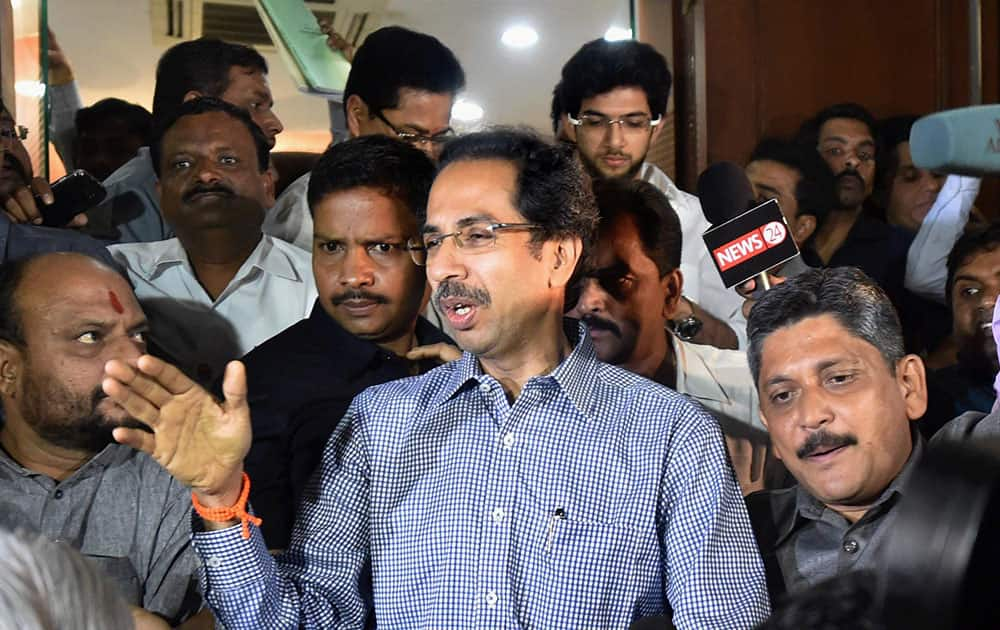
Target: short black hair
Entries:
(201, 65)
(809, 131)
(846, 293)
(136, 118)
(11, 324)
(204, 105)
(601, 66)
(968, 246)
(655, 219)
(891, 133)
(394, 168)
(393, 58)
(557, 109)
(816, 191)
(552, 189)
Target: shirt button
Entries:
(491, 599)
(851, 546)
(508, 440)
(213, 562)
(58, 494)
(499, 514)
(484, 387)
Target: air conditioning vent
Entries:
(238, 21)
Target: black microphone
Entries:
(725, 193)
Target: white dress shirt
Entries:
(702, 283)
(271, 291)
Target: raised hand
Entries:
(442, 352)
(197, 439)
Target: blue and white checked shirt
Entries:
(597, 498)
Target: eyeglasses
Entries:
(473, 238)
(418, 139)
(601, 124)
(18, 132)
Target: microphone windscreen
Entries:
(963, 141)
(724, 192)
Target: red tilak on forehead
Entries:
(115, 303)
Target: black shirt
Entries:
(300, 384)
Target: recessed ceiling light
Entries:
(617, 34)
(519, 36)
(466, 111)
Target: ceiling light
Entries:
(519, 37)
(617, 34)
(466, 111)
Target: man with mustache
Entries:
(62, 317)
(208, 67)
(613, 96)
(221, 286)
(526, 484)
(630, 292)
(839, 396)
(844, 135)
(365, 329)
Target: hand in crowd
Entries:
(748, 458)
(335, 40)
(200, 441)
(443, 352)
(748, 288)
(60, 72)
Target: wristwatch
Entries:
(686, 329)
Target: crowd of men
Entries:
(487, 380)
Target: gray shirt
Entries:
(804, 542)
(125, 513)
(971, 425)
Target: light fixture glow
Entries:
(519, 36)
(31, 89)
(466, 111)
(617, 34)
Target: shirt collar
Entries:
(265, 256)
(110, 455)
(576, 375)
(807, 507)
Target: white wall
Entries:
(110, 45)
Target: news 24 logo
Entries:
(753, 242)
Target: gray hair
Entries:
(49, 586)
(845, 293)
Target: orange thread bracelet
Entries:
(236, 511)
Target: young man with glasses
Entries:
(614, 95)
(526, 484)
(402, 84)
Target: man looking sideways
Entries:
(451, 499)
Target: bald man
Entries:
(62, 317)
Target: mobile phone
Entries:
(74, 193)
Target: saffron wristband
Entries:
(237, 511)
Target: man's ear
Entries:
(269, 176)
(805, 225)
(911, 377)
(191, 94)
(11, 363)
(357, 114)
(658, 129)
(672, 286)
(568, 127)
(567, 254)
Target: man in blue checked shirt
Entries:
(526, 484)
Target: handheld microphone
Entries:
(963, 141)
(744, 241)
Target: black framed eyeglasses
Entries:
(473, 238)
(418, 139)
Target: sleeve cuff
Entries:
(227, 560)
